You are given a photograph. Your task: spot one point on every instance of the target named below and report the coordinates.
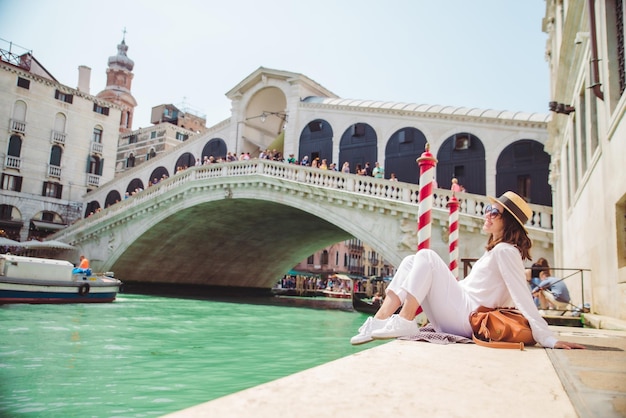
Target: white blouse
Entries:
(497, 280)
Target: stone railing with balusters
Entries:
(12, 162)
(54, 171)
(58, 137)
(470, 204)
(96, 147)
(18, 126)
(93, 180)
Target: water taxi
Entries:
(42, 280)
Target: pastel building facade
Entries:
(57, 143)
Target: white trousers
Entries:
(427, 278)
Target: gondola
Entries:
(359, 303)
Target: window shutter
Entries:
(70, 98)
(88, 163)
(43, 189)
(59, 190)
(100, 166)
(18, 184)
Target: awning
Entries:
(34, 244)
(47, 226)
(278, 144)
(6, 242)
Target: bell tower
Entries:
(119, 79)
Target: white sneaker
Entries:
(365, 331)
(397, 327)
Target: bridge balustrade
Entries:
(470, 204)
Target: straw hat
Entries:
(516, 206)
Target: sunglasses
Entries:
(492, 212)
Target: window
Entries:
(620, 223)
(152, 134)
(461, 142)
(132, 139)
(6, 212)
(51, 189)
(324, 257)
(97, 135)
(10, 182)
(181, 136)
(94, 165)
(47, 216)
(100, 109)
(310, 259)
(151, 154)
(15, 146)
(64, 97)
(523, 186)
(23, 83)
(55, 156)
(130, 161)
(358, 129)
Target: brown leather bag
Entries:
(500, 328)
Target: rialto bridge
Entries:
(246, 223)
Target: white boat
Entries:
(42, 280)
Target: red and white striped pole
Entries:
(427, 163)
(453, 235)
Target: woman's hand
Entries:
(568, 346)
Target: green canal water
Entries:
(144, 356)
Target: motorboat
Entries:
(42, 280)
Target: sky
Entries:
(486, 54)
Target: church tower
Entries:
(119, 80)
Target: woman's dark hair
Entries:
(539, 266)
(513, 234)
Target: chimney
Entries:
(84, 75)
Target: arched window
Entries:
(19, 111)
(55, 155)
(59, 123)
(130, 161)
(97, 134)
(15, 146)
(94, 165)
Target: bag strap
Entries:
(497, 344)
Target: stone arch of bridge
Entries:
(243, 234)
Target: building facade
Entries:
(57, 144)
(170, 127)
(353, 257)
(585, 52)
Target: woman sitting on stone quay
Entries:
(497, 280)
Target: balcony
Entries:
(93, 180)
(58, 137)
(12, 162)
(54, 171)
(18, 126)
(96, 148)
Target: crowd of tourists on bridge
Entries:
(377, 171)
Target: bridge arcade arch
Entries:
(462, 156)
(359, 145)
(401, 152)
